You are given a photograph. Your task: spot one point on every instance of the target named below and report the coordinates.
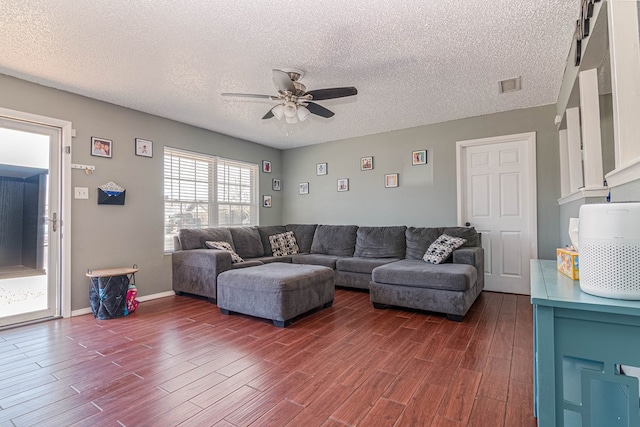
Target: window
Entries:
(207, 191)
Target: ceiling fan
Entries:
(296, 103)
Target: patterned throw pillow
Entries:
(441, 249)
(284, 244)
(224, 246)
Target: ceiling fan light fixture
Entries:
(278, 111)
(303, 113)
(290, 109)
(291, 120)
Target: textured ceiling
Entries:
(414, 62)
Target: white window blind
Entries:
(207, 191)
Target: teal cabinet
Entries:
(586, 354)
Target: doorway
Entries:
(497, 195)
(31, 208)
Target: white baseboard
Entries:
(87, 310)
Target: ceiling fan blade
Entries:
(251, 95)
(283, 82)
(319, 110)
(331, 93)
(268, 115)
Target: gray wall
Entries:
(112, 236)
(427, 193)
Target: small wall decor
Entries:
(101, 147)
(303, 188)
(111, 194)
(144, 148)
(266, 166)
(419, 157)
(366, 163)
(343, 184)
(321, 169)
(275, 184)
(266, 201)
(391, 180)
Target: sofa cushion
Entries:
(284, 244)
(266, 231)
(338, 240)
(304, 235)
(419, 239)
(246, 241)
(442, 248)
(381, 242)
(417, 273)
(224, 246)
(194, 238)
(470, 234)
(316, 259)
(362, 265)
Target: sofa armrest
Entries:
(472, 256)
(195, 271)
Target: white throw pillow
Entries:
(284, 244)
(224, 246)
(441, 249)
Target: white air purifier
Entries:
(609, 242)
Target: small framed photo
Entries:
(266, 201)
(343, 184)
(321, 169)
(391, 180)
(366, 163)
(303, 188)
(275, 184)
(101, 147)
(266, 166)
(419, 157)
(144, 148)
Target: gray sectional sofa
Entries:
(387, 261)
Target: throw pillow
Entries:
(441, 249)
(284, 244)
(224, 246)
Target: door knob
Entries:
(54, 221)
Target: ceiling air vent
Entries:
(510, 85)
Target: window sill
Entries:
(624, 175)
(582, 194)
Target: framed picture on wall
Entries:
(419, 157)
(266, 201)
(343, 184)
(321, 169)
(101, 147)
(366, 163)
(275, 184)
(266, 166)
(303, 188)
(144, 148)
(391, 180)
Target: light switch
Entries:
(81, 193)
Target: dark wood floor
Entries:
(178, 361)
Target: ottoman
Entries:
(276, 291)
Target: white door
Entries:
(497, 195)
(30, 208)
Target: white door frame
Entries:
(65, 195)
(533, 201)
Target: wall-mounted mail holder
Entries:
(111, 194)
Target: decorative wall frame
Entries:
(391, 180)
(303, 188)
(266, 166)
(366, 163)
(275, 184)
(101, 147)
(266, 201)
(419, 157)
(144, 148)
(321, 169)
(343, 184)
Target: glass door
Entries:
(30, 242)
